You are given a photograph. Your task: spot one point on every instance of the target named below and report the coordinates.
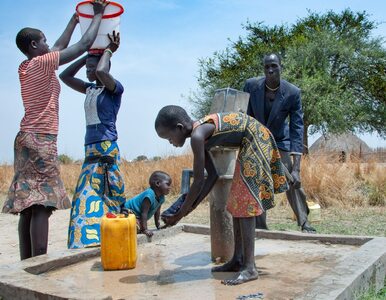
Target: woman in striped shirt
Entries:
(36, 189)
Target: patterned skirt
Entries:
(37, 176)
(258, 175)
(100, 189)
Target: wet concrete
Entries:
(178, 267)
(177, 263)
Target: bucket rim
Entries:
(109, 16)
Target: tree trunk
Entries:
(305, 139)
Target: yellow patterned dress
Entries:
(100, 189)
(258, 172)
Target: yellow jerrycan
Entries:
(118, 241)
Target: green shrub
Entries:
(377, 195)
(141, 158)
(65, 159)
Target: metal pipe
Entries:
(221, 223)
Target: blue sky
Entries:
(157, 63)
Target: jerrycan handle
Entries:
(125, 211)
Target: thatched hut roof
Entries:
(347, 142)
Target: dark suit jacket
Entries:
(288, 135)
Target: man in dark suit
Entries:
(272, 100)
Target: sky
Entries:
(157, 62)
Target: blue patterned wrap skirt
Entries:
(100, 189)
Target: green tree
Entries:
(141, 158)
(332, 57)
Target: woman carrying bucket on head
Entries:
(100, 187)
(36, 189)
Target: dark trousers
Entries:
(296, 198)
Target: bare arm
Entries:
(68, 76)
(103, 68)
(156, 217)
(209, 182)
(198, 138)
(143, 219)
(88, 38)
(65, 38)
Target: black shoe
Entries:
(308, 228)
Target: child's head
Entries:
(32, 42)
(160, 182)
(174, 124)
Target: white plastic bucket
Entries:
(110, 21)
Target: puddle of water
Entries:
(180, 268)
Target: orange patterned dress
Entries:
(259, 172)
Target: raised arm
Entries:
(88, 38)
(68, 76)
(103, 68)
(65, 38)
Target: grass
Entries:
(352, 195)
(369, 221)
(331, 184)
(349, 221)
(136, 174)
(373, 295)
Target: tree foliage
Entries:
(332, 57)
(141, 158)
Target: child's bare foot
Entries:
(230, 266)
(244, 276)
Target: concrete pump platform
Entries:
(177, 265)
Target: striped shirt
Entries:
(40, 90)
